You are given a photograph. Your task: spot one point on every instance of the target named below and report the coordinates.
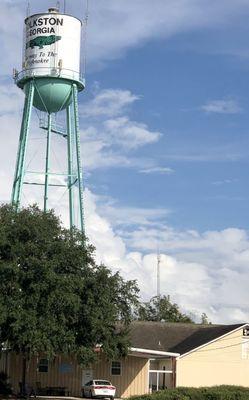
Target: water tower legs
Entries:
(70, 181)
(78, 159)
(74, 176)
(47, 162)
(22, 147)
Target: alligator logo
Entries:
(41, 41)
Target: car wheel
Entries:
(111, 397)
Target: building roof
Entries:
(175, 337)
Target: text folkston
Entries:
(43, 25)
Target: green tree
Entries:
(205, 320)
(53, 296)
(160, 308)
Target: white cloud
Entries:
(157, 170)
(200, 271)
(124, 216)
(10, 126)
(108, 103)
(224, 182)
(220, 153)
(110, 134)
(98, 153)
(222, 107)
(109, 246)
(216, 242)
(130, 134)
(10, 99)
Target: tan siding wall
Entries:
(217, 363)
(133, 379)
(71, 380)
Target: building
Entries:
(207, 354)
(162, 355)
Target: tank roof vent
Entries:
(53, 10)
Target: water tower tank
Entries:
(51, 59)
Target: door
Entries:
(87, 375)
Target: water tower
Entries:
(50, 79)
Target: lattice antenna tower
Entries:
(28, 9)
(158, 274)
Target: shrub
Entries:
(205, 393)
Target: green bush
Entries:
(204, 393)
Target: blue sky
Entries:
(164, 134)
(207, 150)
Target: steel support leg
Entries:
(70, 167)
(22, 147)
(78, 159)
(47, 162)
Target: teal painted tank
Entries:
(51, 94)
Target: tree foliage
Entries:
(205, 319)
(53, 296)
(160, 308)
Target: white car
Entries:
(99, 388)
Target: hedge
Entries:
(204, 393)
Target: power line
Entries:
(223, 347)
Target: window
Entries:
(43, 365)
(116, 368)
(104, 383)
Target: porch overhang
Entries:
(149, 353)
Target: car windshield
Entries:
(102, 383)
